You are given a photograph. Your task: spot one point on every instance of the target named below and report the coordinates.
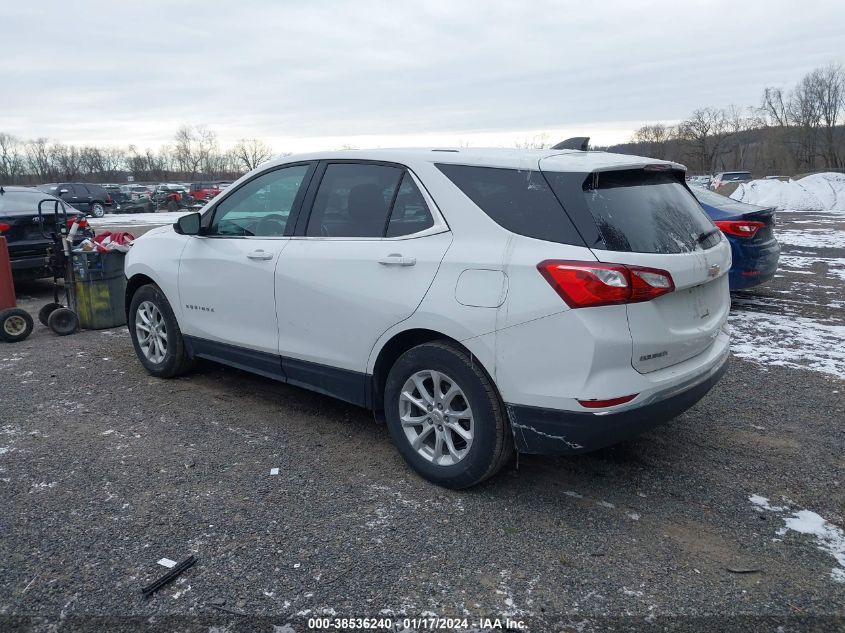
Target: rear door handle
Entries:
(395, 259)
(260, 254)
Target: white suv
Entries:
(481, 300)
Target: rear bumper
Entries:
(30, 267)
(553, 431)
(753, 264)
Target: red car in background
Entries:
(203, 190)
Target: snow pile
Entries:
(133, 219)
(818, 192)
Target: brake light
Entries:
(5, 227)
(740, 228)
(108, 198)
(591, 284)
(612, 402)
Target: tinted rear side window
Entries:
(354, 200)
(517, 200)
(643, 212)
(410, 213)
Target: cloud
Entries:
(375, 70)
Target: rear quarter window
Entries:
(520, 201)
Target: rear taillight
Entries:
(5, 227)
(591, 284)
(740, 228)
(108, 198)
(612, 402)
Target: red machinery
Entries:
(15, 323)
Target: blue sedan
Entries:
(750, 231)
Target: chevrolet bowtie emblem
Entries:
(713, 270)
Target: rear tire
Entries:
(455, 434)
(15, 325)
(97, 210)
(155, 334)
(63, 321)
(45, 312)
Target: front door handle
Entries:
(396, 259)
(260, 254)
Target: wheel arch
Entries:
(401, 342)
(132, 285)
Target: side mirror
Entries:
(188, 224)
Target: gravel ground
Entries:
(104, 470)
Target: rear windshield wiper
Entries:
(702, 237)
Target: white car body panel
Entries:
(227, 290)
(334, 297)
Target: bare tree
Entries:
(828, 88)
(38, 159)
(705, 132)
(12, 163)
(653, 138)
(803, 113)
(538, 141)
(251, 152)
(186, 151)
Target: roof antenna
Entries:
(576, 142)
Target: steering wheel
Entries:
(271, 225)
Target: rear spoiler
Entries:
(581, 143)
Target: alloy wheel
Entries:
(151, 331)
(436, 417)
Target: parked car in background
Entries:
(750, 231)
(140, 204)
(89, 198)
(204, 190)
(27, 238)
(481, 300)
(727, 181)
(699, 181)
(117, 193)
(135, 191)
(171, 197)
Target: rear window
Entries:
(517, 200)
(20, 201)
(641, 211)
(737, 175)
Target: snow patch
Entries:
(788, 341)
(829, 538)
(817, 192)
(812, 238)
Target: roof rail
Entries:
(576, 142)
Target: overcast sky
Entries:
(315, 74)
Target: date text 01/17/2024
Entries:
(414, 624)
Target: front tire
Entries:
(155, 334)
(445, 416)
